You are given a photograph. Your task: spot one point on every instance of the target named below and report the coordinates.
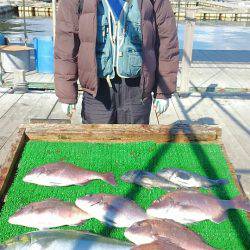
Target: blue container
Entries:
(44, 54)
(2, 39)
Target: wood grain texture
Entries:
(11, 162)
(123, 133)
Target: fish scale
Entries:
(148, 180)
(65, 174)
(188, 179)
(111, 209)
(149, 231)
(48, 214)
(187, 206)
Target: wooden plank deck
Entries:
(228, 111)
(232, 77)
(217, 70)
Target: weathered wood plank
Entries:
(122, 133)
(234, 122)
(238, 107)
(57, 113)
(10, 164)
(7, 101)
(17, 114)
(7, 146)
(44, 106)
(236, 153)
(169, 117)
(177, 102)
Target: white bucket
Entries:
(15, 60)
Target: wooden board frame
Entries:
(107, 133)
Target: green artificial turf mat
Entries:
(205, 159)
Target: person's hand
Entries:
(160, 105)
(68, 109)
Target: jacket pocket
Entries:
(134, 32)
(134, 62)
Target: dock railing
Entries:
(187, 52)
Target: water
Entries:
(13, 27)
(208, 36)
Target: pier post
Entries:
(19, 83)
(54, 18)
(187, 52)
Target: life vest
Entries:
(119, 43)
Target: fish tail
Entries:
(221, 182)
(241, 202)
(109, 177)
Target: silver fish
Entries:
(112, 210)
(48, 214)
(63, 239)
(148, 180)
(159, 244)
(148, 231)
(191, 206)
(188, 179)
(65, 174)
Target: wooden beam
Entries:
(11, 162)
(122, 133)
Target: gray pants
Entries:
(120, 104)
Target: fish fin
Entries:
(240, 202)
(109, 177)
(219, 218)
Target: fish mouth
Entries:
(27, 178)
(128, 233)
(124, 178)
(12, 220)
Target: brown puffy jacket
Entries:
(75, 46)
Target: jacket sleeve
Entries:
(167, 49)
(66, 51)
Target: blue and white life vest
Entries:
(119, 40)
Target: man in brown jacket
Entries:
(121, 51)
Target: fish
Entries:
(188, 206)
(148, 180)
(49, 214)
(159, 244)
(63, 239)
(65, 174)
(111, 209)
(149, 231)
(188, 179)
